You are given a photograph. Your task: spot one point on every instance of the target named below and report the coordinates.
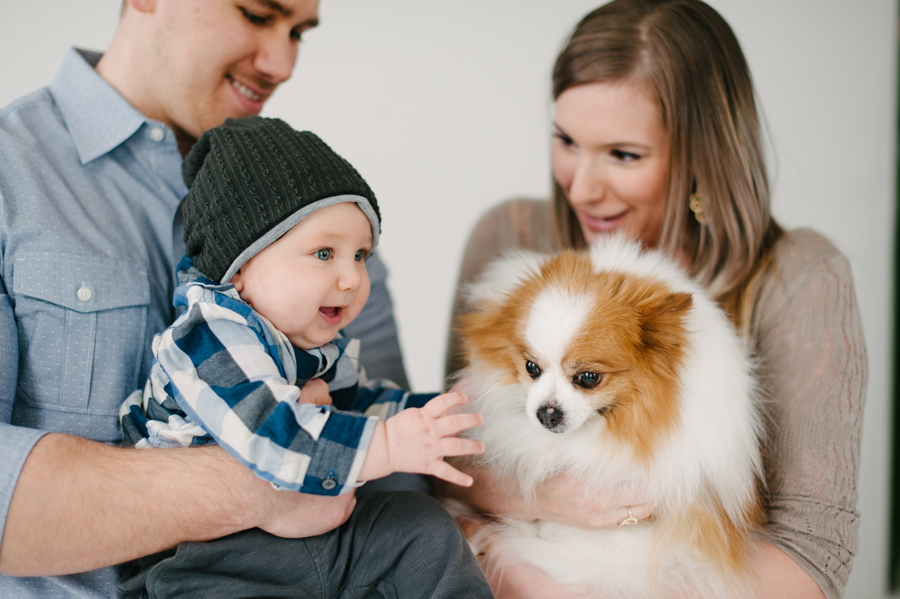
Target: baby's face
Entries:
(312, 282)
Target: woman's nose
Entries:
(588, 183)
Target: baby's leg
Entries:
(400, 545)
(394, 545)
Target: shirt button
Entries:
(157, 134)
(84, 294)
(328, 484)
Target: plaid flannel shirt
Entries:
(223, 373)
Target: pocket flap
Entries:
(80, 282)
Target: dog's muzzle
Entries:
(552, 417)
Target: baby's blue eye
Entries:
(360, 255)
(323, 254)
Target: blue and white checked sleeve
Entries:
(220, 373)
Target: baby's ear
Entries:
(237, 281)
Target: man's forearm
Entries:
(80, 505)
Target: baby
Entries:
(277, 229)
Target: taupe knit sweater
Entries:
(808, 339)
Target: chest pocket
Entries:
(82, 330)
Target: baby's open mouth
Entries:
(332, 314)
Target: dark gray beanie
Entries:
(251, 180)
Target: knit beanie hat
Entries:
(251, 180)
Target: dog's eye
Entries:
(587, 380)
(533, 369)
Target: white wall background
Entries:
(443, 107)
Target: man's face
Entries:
(215, 59)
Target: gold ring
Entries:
(629, 520)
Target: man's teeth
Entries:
(246, 91)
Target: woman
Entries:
(657, 135)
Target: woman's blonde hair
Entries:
(689, 59)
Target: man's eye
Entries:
(323, 254)
(360, 255)
(254, 18)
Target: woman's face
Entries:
(611, 159)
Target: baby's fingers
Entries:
(442, 403)
(451, 425)
(453, 446)
(450, 474)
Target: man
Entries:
(90, 233)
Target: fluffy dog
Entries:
(613, 366)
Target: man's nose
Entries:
(276, 57)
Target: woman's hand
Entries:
(560, 499)
(515, 580)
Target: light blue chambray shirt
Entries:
(90, 235)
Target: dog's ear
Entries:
(504, 275)
(488, 337)
(662, 321)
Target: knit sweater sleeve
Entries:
(813, 371)
(221, 372)
(515, 224)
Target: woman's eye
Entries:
(254, 18)
(587, 380)
(564, 139)
(360, 255)
(624, 156)
(532, 369)
(296, 34)
(323, 254)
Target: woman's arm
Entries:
(516, 224)
(812, 367)
(775, 575)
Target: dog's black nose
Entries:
(552, 417)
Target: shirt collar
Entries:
(98, 118)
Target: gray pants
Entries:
(395, 545)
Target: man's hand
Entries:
(295, 515)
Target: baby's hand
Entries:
(417, 439)
(315, 391)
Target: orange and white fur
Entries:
(613, 366)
